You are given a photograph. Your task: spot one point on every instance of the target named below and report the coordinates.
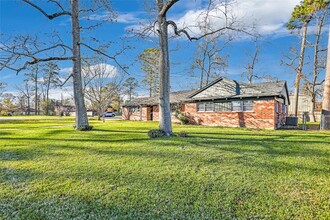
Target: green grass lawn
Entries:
(50, 171)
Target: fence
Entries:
(325, 122)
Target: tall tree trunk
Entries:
(201, 80)
(313, 117)
(299, 69)
(81, 115)
(165, 122)
(47, 96)
(36, 93)
(28, 105)
(325, 114)
(320, 24)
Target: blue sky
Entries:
(269, 16)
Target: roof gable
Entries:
(227, 88)
(221, 87)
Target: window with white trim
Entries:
(226, 106)
(205, 107)
(222, 106)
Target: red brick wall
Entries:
(263, 116)
(156, 115)
(135, 116)
(280, 115)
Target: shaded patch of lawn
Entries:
(50, 171)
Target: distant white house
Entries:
(305, 104)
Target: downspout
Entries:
(140, 106)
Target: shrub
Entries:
(156, 133)
(3, 113)
(83, 128)
(183, 134)
(182, 117)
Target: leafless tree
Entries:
(208, 61)
(302, 16)
(26, 93)
(2, 87)
(163, 24)
(104, 82)
(250, 71)
(312, 85)
(129, 86)
(325, 114)
(32, 76)
(24, 51)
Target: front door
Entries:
(151, 113)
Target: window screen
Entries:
(222, 107)
(237, 106)
(247, 106)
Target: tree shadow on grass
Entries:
(228, 135)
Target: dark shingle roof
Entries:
(243, 90)
(175, 97)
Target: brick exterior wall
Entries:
(146, 114)
(135, 116)
(156, 115)
(280, 115)
(262, 116)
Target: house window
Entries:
(134, 109)
(205, 107)
(209, 106)
(277, 107)
(200, 107)
(237, 106)
(222, 106)
(234, 106)
(247, 106)
(284, 109)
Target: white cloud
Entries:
(58, 93)
(66, 70)
(269, 16)
(124, 17)
(110, 70)
(128, 18)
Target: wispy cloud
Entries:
(93, 68)
(268, 17)
(123, 17)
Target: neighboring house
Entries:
(70, 110)
(224, 102)
(305, 104)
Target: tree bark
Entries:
(325, 114)
(81, 115)
(320, 24)
(165, 122)
(36, 93)
(28, 105)
(299, 69)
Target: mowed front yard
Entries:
(50, 171)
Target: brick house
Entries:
(224, 102)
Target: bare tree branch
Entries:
(49, 16)
(66, 80)
(178, 32)
(167, 6)
(106, 55)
